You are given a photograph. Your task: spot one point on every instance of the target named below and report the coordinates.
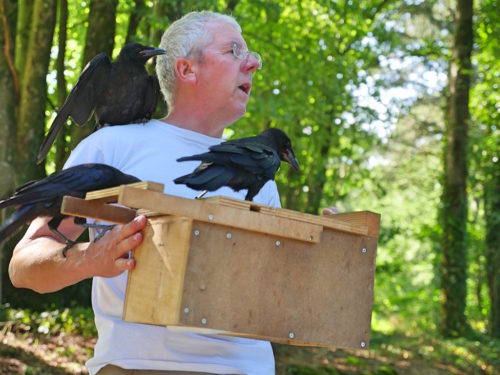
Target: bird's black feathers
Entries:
(245, 163)
(116, 93)
(44, 197)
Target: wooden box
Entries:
(239, 268)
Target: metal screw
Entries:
(291, 335)
(278, 243)
(363, 250)
(186, 310)
(363, 344)
(203, 320)
(210, 217)
(228, 235)
(196, 232)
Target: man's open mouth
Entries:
(245, 87)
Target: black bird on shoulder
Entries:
(245, 163)
(117, 93)
(44, 197)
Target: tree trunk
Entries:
(8, 80)
(25, 15)
(9, 90)
(454, 199)
(61, 143)
(135, 17)
(31, 120)
(100, 38)
(492, 213)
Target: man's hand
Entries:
(108, 257)
(330, 211)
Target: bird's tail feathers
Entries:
(11, 201)
(51, 136)
(16, 222)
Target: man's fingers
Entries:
(330, 211)
(129, 243)
(125, 264)
(132, 227)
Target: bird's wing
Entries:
(81, 101)
(252, 156)
(72, 181)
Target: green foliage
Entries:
(311, 370)
(76, 320)
(472, 355)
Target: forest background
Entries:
(392, 106)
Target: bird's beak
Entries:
(153, 52)
(290, 158)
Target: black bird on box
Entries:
(246, 163)
(44, 197)
(117, 93)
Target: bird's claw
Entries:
(199, 196)
(104, 229)
(69, 245)
(101, 229)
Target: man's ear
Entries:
(186, 70)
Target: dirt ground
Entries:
(26, 353)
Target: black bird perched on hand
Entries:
(246, 163)
(44, 197)
(118, 92)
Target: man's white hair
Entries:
(186, 35)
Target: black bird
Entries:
(118, 92)
(44, 197)
(246, 163)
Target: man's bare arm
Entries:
(38, 264)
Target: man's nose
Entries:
(251, 63)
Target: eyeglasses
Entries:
(243, 55)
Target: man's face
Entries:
(224, 80)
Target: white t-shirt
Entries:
(149, 152)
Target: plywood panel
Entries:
(302, 294)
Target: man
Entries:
(205, 77)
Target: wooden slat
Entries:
(207, 211)
(111, 194)
(370, 220)
(363, 222)
(161, 258)
(96, 209)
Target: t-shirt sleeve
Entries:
(86, 152)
